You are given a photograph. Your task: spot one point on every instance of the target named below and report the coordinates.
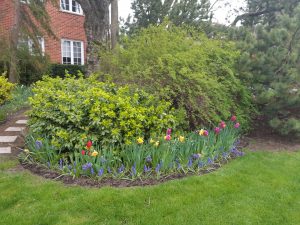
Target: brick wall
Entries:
(65, 26)
(7, 17)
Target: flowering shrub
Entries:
(158, 156)
(5, 89)
(69, 112)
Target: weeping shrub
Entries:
(194, 73)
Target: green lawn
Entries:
(260, 188)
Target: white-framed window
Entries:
(71, 6)
(72, 52)
(32, 48)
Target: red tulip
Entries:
(233, 118)
(205, 133)
(82, 152)
(89, 144)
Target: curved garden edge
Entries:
(110, 182)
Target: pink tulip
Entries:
(205, 133)
(222, 125)
(169, 131)
(233, 118)
(237, 125)
(168, 137)
(217, 130)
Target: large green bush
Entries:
(70, 111)
(194, 73)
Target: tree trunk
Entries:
(96, 28)
(14, 38)
(114, 23)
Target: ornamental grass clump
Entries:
(156, 157)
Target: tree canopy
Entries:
(154, 12)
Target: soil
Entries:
(122, 183)
(264, 138)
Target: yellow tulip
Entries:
(181, 139)
(26, 151)
(156, 144)
(140, 140)
(95, 153)
(151, 141)
(201, 132)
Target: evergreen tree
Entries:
(270, 44)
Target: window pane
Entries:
(66, 52)
(65, 5)
(76, 7)
(66, 60)
(77, 52)
(66, 49)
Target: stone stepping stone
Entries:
(5, 150)
(8, 139)
(21, 122)
(15, 129)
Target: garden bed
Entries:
(88, 182)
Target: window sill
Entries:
(70, 12)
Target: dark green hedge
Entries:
(60, 70)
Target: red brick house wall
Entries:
(65, 25)
(7, 17)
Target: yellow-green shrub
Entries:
(70, 111)
(5, 89)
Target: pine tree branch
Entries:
(290, 49)
(255, 14)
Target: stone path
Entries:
(12, 134)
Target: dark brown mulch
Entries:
(264, 138)
(88, 182)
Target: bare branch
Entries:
(254, 14)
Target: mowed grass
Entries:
(260, 188)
